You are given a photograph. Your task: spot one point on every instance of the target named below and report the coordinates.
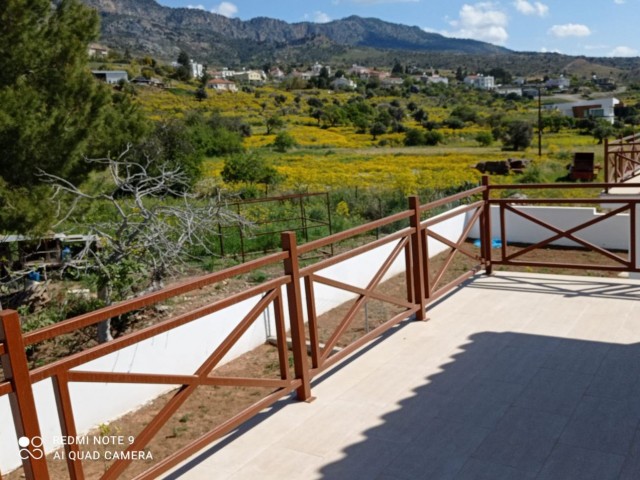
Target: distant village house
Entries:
(250, 76)
(222, 85)
(111, 77)
(480, 81)
(603, 108)
(148, 82)
(560, 83)
(389, 82)
(432, 79)
(97, 51)
(343, 83)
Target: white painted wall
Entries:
(611, 233)
(183, 349)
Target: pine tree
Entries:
(50, 105)
(50, 102)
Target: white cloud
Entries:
(320, 17)
(197, 7)
(481, 21)
(378, 2)
(623, 51)
(528, 8)
(596, 47)
(570, 30)
(618, 2)
(226, 9)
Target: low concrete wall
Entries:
(612, 233)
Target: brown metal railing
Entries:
(622, 159)
(423, 283)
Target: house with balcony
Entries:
(597, 108)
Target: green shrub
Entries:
(283, 142)
(433, 137)
(484, 138)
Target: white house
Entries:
(97, 51)
(359, 70)
(480, 81)
(560, 83)
(596, 108)
(343, 83)
(428, 79)
(276, 73)
(197, 69)
(251, 76)
(222, 85)
(389, 82)
(317, 68)
(111, 76)
(509, 90)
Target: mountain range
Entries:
(144, 27)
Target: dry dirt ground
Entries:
(209, 406)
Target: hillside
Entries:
(144, 26)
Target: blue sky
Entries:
(574, 27)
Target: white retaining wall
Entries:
(183, 349)
(612, 233)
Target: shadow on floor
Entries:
(514, 406)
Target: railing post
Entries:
(23, 406)
(606, 163)
(485, 233)
(419, 268)
(296, 320)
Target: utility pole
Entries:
(539, 121)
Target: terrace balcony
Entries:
(514, 376)
(466, 372)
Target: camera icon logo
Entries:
(36, 451)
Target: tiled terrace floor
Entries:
(515, 376)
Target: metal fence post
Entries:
(23, 407)
(419, 268)
(296, 319)
(485, 231)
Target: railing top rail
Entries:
(451, 198)
(352, 232)
(624, 148)
(126, 306)
(451, 214)
(627, 139)
(557, 186)
(290, 196)
(598, 201)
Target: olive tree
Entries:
(146, 224)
